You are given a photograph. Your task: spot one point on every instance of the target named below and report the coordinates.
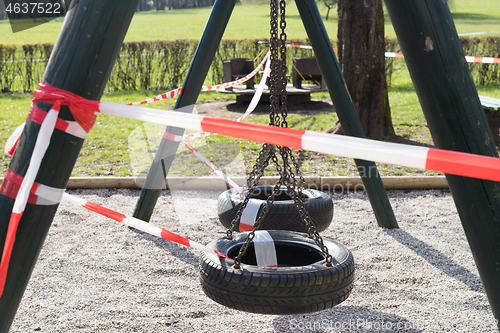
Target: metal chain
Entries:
(252, 182)
(274, 76)
(277, 117)
(295, 191)
(263, 212)
(283, 68)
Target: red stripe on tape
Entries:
(249, 131)
(168, 136)
(11, 184)
(104, 211)
(13, 148)
(463, 164)
(8, 245)
(245, 227)
(174, 237)
(37, 115)
(496, 60)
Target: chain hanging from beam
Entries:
(288, 169)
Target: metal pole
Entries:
(81, 62)
(346, 112)
(205, 52)
(449, 99)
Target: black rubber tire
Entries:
(282, 214)
(306, 287)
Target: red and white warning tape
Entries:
(140, 225)
(218, 172)
(173, 93)
(481, 60)
(41, 145)
(250, 214)
(46, 195)
(39, 195)
(251, 107)
(457, 163)
(37, 115)
(265, 249)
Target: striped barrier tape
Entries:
(452, 162)
(46, 195)
(250, 214)
(251, 107)
(483, 60)
(37, 116)
(218, 172)
(265, 250)
(41, 145)
(480, 60)
(173, 93)
(39, 194)
(140, 225)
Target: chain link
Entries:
(277, 117)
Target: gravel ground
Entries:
(95, 275)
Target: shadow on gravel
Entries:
(345, 319)
(437, 259)
(171, 249)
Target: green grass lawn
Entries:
(249, 21)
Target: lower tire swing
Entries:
(275, 271)
(301, 283)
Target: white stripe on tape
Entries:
(265, 251)
(175, 119)
(371, 150)
(249, 215)
(50, 195)
(76, 130)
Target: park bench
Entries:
(237, 68)
(306, 69)
(491, 108)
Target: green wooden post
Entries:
(81, 62)
(346, 112)
(198, 70)
(449, 99)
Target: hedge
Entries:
(163, 64)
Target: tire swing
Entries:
(276, 271)
(282, 214)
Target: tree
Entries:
(328, 4)
(361, 44)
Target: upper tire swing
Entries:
(288, 268)
(282, 214)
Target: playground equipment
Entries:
(282, 214)
(439, 74)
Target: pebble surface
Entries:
(96, 275)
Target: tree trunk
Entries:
(361, 44)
